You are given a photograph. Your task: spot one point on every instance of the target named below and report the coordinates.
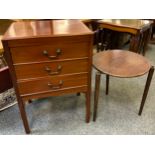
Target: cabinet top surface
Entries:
(130, 23)
(45, 28)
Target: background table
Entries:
(139, 29)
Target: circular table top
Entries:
(121, 63)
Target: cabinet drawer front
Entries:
(55, 93)
(42, 53)
(50, 84)
(51, 69)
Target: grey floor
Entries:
(65, 115)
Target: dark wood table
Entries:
(123, 64)
(139, 29)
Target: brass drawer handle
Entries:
(55, 86)
(58, 52)
(50, 72)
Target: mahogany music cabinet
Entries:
(49, 58)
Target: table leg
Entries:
(107, 84)
(29, 101)
(23, 115)
(140, 43)
(134, 43)
(78, 94)
(96, 96)
(114, 40)
(98, 36)
(147, 85)
(146, 40)
(88, 95)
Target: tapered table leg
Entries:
(29, 101)
(147, 85)
(78, 94)
(88, 95)
(96, 96)
(107, 84)
(23, 115)
(135, 43)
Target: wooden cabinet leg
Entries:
(96, 96)
(78, 94)
(88, 95)
(23, 116)
(147, 85)
(29, 101)
(107, 84)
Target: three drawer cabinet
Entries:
(49, 58)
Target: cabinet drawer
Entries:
(49, 84)
(51, 69)
(42, 53)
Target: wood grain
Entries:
(40, 70)
(41, 84)
(125, 25)
(25, 43)
(48, 28)
(121, 63)
(30, 54)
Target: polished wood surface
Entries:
(121, 63)
(129, 25)
(37, 70)
(59, 92)
(49, 84)
(46, 28)
(49, 58)
(139, 29)
(86, 20)
(32, 54)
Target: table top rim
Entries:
(123, 76)
(124, 26)
(68, 30)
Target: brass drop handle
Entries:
(55, 86)
(58, 52)
(50, 72)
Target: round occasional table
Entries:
(123, 64)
